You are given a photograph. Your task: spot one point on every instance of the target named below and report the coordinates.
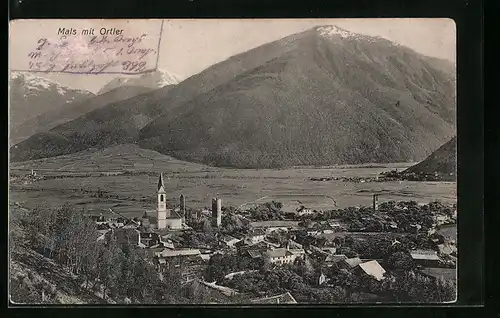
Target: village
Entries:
(200, 244)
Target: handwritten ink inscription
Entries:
(94, 51)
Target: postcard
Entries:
(232, 161)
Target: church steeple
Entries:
(161, 185)
(162, 211)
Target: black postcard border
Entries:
(468, 16)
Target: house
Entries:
(331, 260)
(441, 219)
(349, 263)
(330, 250)
(335, 223)
(124, 236)
(255, 237)
(168, 253)
(261, 246)
(229, 241)
(149, 239)
(254, 254)
(285, 298)
(270, 226)
(280, 256)
(291, 244)
(130, 224)
(373, 269)
(302, 210)
(103, 226)
(425, 257)
(298, 252)
(102, 234)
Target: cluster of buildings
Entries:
(26, 178)
(157, 232)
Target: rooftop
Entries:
(223, 289)
(335, 258)
(265, 224)
(374, 269)
(278, 252)
(353, 262)
(424, 255)
(285, 298)
(183, 252)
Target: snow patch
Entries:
(33, 82)
(332, 30)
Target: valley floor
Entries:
(124, 178)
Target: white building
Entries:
(304, 211)
(165, 217)
(280, 256)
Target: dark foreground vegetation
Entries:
(117, 274)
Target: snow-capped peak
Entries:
(168, 78)
(332, 30)
(32, 82)
(153, 80)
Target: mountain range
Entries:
(323, 96)
(32, 95)
(66, 108)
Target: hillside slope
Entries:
(332, 98)
(35, 279)
(116, 123)
(442, 161)
(324, 96)
(70, 111)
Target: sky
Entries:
(190, 46)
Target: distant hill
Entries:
(323, 96)
(152, 80)
(442, 161)
(70, 111)
(31, 95)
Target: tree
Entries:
(347, 251)
(401, 260)
(109, 265)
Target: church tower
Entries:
(162, 204)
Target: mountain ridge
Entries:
(26, 90)
(347, 101)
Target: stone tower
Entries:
(162, 211)
(217, 211)
(375, 202)
(182, 207)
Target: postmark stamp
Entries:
(87, 47)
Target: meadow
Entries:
(124, 178)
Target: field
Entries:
(127, 177)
